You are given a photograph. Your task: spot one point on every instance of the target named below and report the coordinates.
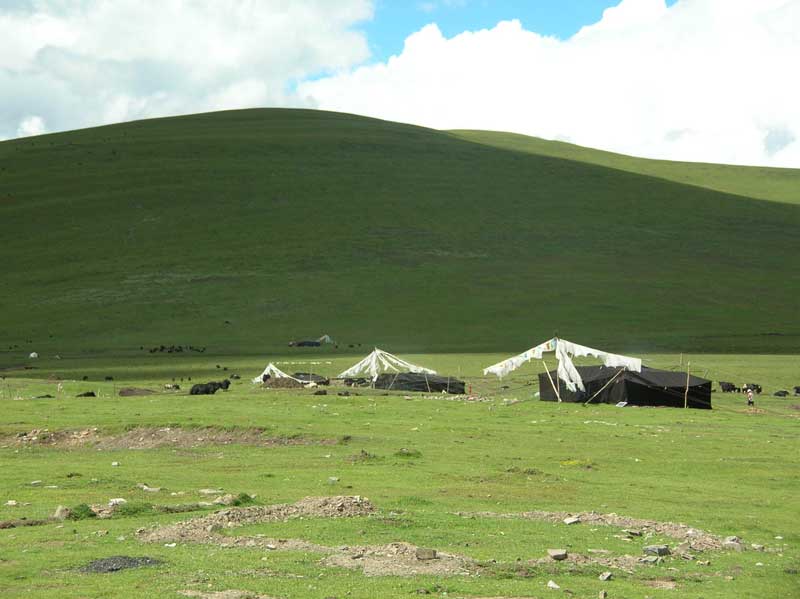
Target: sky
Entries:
(697, 80)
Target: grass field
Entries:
(243, 230)
(419, 459)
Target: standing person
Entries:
(750, 401)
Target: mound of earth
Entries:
(153, 437)
(230, 594)
(134, 391)
(282, 383)
(117, 563)
(401, 559)
(205, 529)
(699, 540)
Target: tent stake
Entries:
(552, 384)
(604, 386)
(686, 394)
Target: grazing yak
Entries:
(209, 388)
(729, 387)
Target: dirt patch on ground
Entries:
(206, 529)
(400, 559)
(661, 583)
(282, 383)
(231, 594)
(152, 438)
(134, 391)
(117, 563)
(395, 559)
(698, 540)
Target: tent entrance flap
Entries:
(272, 371)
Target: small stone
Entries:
(121, 538)
(602, 595)
(605, 576)
(12, 503)
(757, 547)
(332, 480)
(170, 544)
(733, 539)
(552, 585)
(212, 528)
(650, 559)
(557, 554)
(733, 546)
(759, 564)
(779, 538)
(683, 547)
(227, 499)
(657, 550)
(116, 501)
(36, 483)
(62, 513)
(100, 533)
(271, 547)
(115, 464)
(572, 520)
(210, 491)
(703, 562)
(632, 533)
(425, 554)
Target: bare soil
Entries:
(152, 438)
(698, 540)
(117, 563)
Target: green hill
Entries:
(243, 230)
(775, 184)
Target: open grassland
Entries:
(243, 230)
(435, 468)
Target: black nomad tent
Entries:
(650, 387)
(412, 381)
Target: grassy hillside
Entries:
(775, 184)
(292, 223)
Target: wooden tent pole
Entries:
(686, 393)
(611, 380)
(552, 384)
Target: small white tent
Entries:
(565, 351)
(274, 372)
(380, 361)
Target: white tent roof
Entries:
(565, 351)
(274, 372)
(380, 361)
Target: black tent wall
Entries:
(651, 387)
(410, 381)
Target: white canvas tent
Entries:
(274, 372)
(564, 351)
(380, 361)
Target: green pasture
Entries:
(420, 459)
(243, 230)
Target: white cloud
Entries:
(705, 80)
(92, 62)
(31, 125)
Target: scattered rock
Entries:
(12, 503)
(227, 499)
(425, 554)
(115, 464)
(229, 594)
(148, 489)
(552, 585)
(605, 576)
(210, 491)
(572, 520)
(117, 563)
(659, 550)
(116, 501)
(757, 547)
(62, 513)
(632, 532)
(650, 559)
(36, 483)
(557, 554)
(332, 480)
(602, 595)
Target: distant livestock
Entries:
(754, 387)
(729, 387)
(797, 390)
(781, 393)
(209, 388)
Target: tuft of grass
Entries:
(81, 512)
